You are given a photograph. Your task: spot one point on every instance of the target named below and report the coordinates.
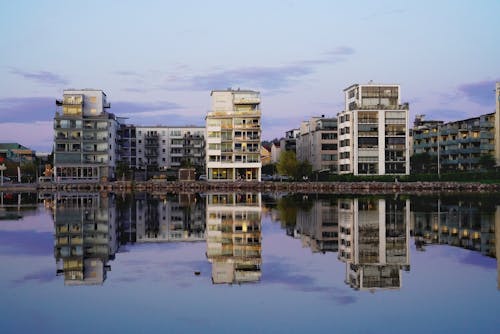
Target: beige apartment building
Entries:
(233, 136)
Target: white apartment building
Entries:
(317, 143)
(85, 142)
(164, 147)
(373, 131)
(233, 128)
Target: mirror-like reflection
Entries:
(374, 241)
(85, 237)
(234, 237)
(370, 234)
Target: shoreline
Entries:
(249, 186)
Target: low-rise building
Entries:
(165, 147)
(458, 144)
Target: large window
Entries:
(367, 142)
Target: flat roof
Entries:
(233, 91)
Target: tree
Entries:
(304, 169)
(422, 163)
(288, 164)
(123, 170)
(487, 161)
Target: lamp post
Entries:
(439, 151)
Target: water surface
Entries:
(249, 263)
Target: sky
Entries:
(157, 61)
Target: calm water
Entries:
(249, 263)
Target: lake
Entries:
(249, 263)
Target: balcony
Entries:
(246, 100)
(486, 135)
(485, 124)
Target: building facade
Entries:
(373, 131)
(459, 144)
(165, 147)
(85, 143)
(233, 136)
(317, 143)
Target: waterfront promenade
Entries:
(249, 186)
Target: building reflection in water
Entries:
(317, 225)
(234, 237)
(470, 223)
(85, 236)
(374, 241)
(169, 218)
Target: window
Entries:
(328, 147)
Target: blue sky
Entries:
(158, 60)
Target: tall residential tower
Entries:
(233, 136)
(85, 142)
(373, 131)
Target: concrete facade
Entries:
(373, 131)
(85, 142)
(317, 143)
(233, 136)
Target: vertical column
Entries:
(381, 142)
(381, 232)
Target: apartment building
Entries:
(164, 147)
(317, 143)
(458, 144)
(374, 242)
(233, 136)
(373, 131)
(85, 143)
(234, 245)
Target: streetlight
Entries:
(439, 151)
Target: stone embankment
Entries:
(300, 187)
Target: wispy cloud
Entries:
(269, 78)
(277, 271)
(20, 243)
(481, 92)
(26, 109)
(44, 77)
(128, 107)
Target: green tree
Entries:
(28, 171)
(123, 171)
(423, 163)
(304, 169)
(487, 161)
(288, 164)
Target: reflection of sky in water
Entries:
(153, 287)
